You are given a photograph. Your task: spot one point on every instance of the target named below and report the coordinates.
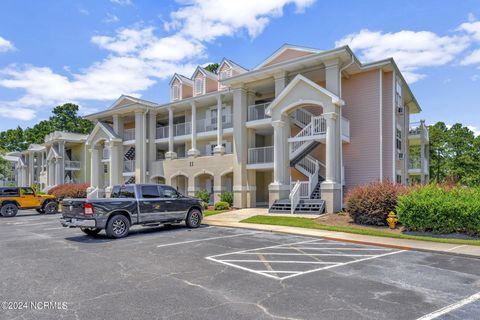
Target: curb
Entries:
(465, 255)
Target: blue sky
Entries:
(90, 52)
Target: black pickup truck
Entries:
(143, 204)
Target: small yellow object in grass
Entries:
(392, 220)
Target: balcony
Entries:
(129, 166)
(203, 125)
(417, 130)
(260, 155)
(257, 111)
(129, 134)
(415, 166)
(72, 165)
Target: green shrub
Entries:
(227, 197)
(221, 205)
(441, 209)
(370, 204)
(205, 205)
(203, 195)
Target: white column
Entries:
(59, 173)
(219, 149)
(280, 83)
(280, 148)
(140, 147)
(152, 135)
(114, 164)
(240, 184)
(330, 164)
(51, 173)
(170, 154)
(94, 167)
(31, 168)
(194, 152)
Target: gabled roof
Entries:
(284, 48)
(11, 158)
(129, 100)
(63, 135)
(206, 73)
(52, 153)
(100, 126)
(232, 65)
(182, 79)
(36, 147)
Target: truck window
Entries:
(27, 192)
(168, 192)
(8, 192)
(150, 192)
(123, 192)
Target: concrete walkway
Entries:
(233, 218)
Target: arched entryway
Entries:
(205, 181)
(158, 180)
(180, 182)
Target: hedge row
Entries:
(440, 209)
(70, 190)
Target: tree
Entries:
(454, 154)
(65, 118)
(212, 67)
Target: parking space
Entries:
(223, 273)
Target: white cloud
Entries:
(206, 20)
(472, 58)
(475, 77)
(472, 28)
(412, 50)
(17, 113)
(137, 57)
(476, 130)
(471, 17)
(111, 18)
(5, 45)
(122, 2)
(84, 11)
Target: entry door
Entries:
(175, 206)
(29, 199)
(152, 206)
(209, 188)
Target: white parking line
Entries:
(205, 239)
(234, 259)
(451, 307)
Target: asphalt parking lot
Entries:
(222, 273)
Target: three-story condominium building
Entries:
(294, 133)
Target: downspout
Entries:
(342, 177)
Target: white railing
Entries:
(72, 164)
(257, 111)
(302, 116)
(294, 197)
(128, 165)
(106, 154)
(260, 155)
(129, 134)
(205, 125)
(181, 129)
(94, 194)
(162, 132)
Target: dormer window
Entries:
(224, 75)
(198, 86)
(175, 92)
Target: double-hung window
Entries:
(399, 139)
(175, 92)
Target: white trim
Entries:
(394, 132)
(281, 50)
(381, 121)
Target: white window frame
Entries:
(200, 81)
(175, 92)
(398, 139)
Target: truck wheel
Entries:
(9, 210)
(41, 211)
(117, 227)
(50, 208)
(194, 218)
(91, 231)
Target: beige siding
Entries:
(212, 85)
(388, 127)
(362, 154)
(186, 91)
(288, 55)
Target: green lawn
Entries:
(207, 213)
(311, 224)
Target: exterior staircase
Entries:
(130, 180)
(305, 195)
(130, 154)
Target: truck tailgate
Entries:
(73, 208)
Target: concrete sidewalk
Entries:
(233, 218)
